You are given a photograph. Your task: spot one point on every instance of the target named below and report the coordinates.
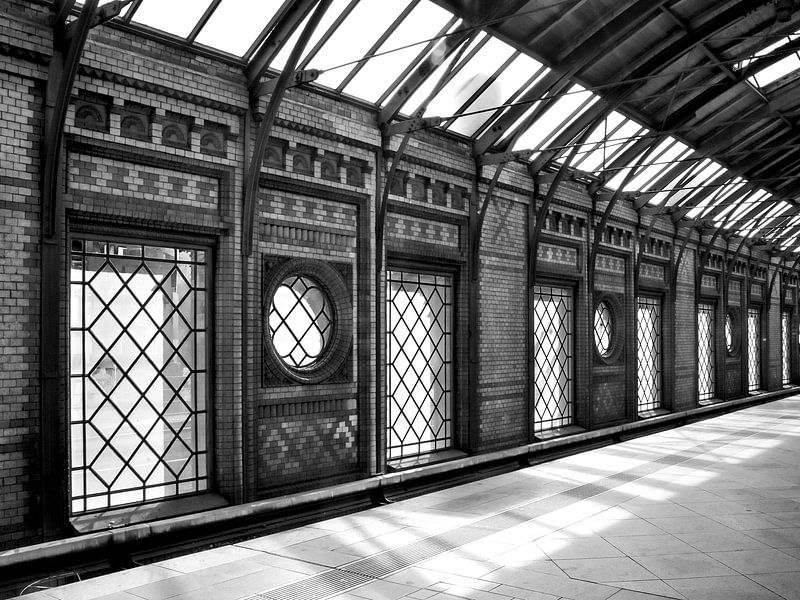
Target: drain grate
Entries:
(316, 586)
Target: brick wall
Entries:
(20, 132)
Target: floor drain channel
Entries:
(315, 587)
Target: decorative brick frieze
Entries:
(139, 182)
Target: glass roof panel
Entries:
(718, 193)
(738, 207)
(763, 221)
(354, 37)
(177, 17)
(236, 24)
(533, 79)
(775, 71)
(688, 183)
(505, 86)
(660, 161)
(334, 10)
(122, 13)
(623, 138)
(642, 163)
(594, 153)
(378, 73)
(422, 93)
(772, 48)
(556, 118)
(480, 67)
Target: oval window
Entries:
(300, 321)
(603, 329)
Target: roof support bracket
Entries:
(67, 50)
(282, 82)
(298, 78)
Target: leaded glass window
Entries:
(753, 349)
(603, 328)
(419, 363)
(138, 374)
(648, 321)
(705, 351)
(786, 354)
(553, 357)
(729, 333)
(300, 321)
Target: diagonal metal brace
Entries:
(264, 130)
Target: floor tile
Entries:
(788, 537)
(649, 586)
(735, 587)
(676, 566)
(604, 569)
(687, 524)
(551, 584)
(748, 562)
(650, 545)
(577, 548)
(786, 585)
(522, 593)
(383, 590)
(717, 541)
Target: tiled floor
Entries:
(707, 511)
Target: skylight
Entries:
(177, 17)
(424, 22)
(230, 32)
(776, 70)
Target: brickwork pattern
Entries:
(140, 183)
(306, 448)
(19, 310)
(503, 292)
(685, 385)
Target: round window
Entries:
(300, 321)
(603, 329)
(308, 322)
(732, 331)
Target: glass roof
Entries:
(367, 49)
(778, 69)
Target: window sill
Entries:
(425, 459)
(558, 432)
(656, 412)
(709, 401)
(131, 515)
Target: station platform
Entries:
(709, 510)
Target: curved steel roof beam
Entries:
(583, 55)
(616, 98)
(275, 41)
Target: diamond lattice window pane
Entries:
(553, 357)
(137, 341)
(603, 328)
(705, 351)
(648, 321)
(418, 363)
(753, 350)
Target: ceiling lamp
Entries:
(783, 10)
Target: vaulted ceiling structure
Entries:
(691, 106)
